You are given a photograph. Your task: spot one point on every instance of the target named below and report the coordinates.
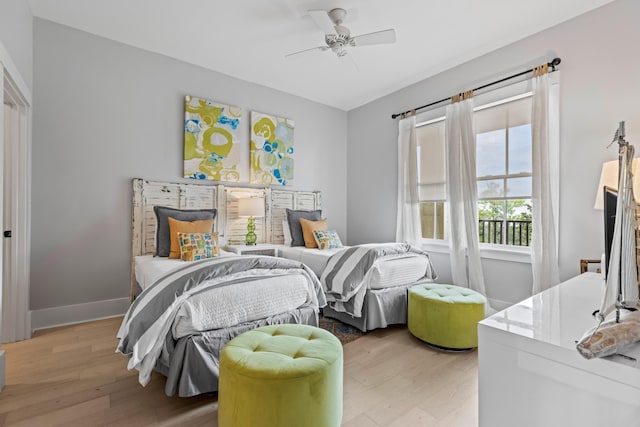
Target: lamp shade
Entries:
(251, 206)
(609, 178)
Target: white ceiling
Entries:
(249, 38)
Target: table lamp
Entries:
(251, 207)
(609, 178)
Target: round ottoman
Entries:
(445, 316)
(281, 375)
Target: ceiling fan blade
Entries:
(306, 51)
(323, 21)
(379, 37)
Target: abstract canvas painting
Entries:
(271, 149)
(211, 140)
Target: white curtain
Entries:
(544, 257)
(466, 269)
(408, 217)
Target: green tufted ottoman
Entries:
(281, 375)
(445, 316)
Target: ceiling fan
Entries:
(338, 37)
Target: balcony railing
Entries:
(492, 231)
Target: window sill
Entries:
(506, 253)
(437, 246)
(498, 252)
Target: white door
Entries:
(2, 355)
(14, 311)
(14, 192)
(8, 333)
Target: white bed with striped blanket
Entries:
(182, 313)
(179, 324)
(366, 285)
(387, 272)
(229, 306)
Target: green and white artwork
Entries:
(271, 149)
(211, 140)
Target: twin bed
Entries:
(382, 298)
(179, 324)
(184, 312)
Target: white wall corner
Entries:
(78, 313)
(14, 74)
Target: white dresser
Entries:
(531, 375)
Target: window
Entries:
(432, 177)
(503, 170)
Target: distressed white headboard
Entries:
(230, 227)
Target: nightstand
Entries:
(260, 249)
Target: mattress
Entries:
(385, 273)
(149, 268)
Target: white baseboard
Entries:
(2, 375)
(78, 313)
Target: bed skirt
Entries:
(193, 367)
(381, 308)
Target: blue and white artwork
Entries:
(271, 149)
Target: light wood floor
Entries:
(71, 376)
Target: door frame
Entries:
(17, 87)
(16, 324)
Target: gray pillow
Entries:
(163, 213)
(293, 218)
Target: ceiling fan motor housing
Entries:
(340, 38)
(338, 41)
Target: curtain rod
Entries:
(553, 64)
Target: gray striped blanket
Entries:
(147, 323)
(345, 276)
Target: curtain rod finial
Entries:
(554, 63)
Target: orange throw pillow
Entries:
(308, 227)
(175, 227)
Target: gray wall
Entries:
(16, 34)
(105, 113)
(599, 87)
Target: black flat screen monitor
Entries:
(610, 206)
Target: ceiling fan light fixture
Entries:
(340, 51)
(338, 37)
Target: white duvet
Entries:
(265, 295)
(241, 302)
